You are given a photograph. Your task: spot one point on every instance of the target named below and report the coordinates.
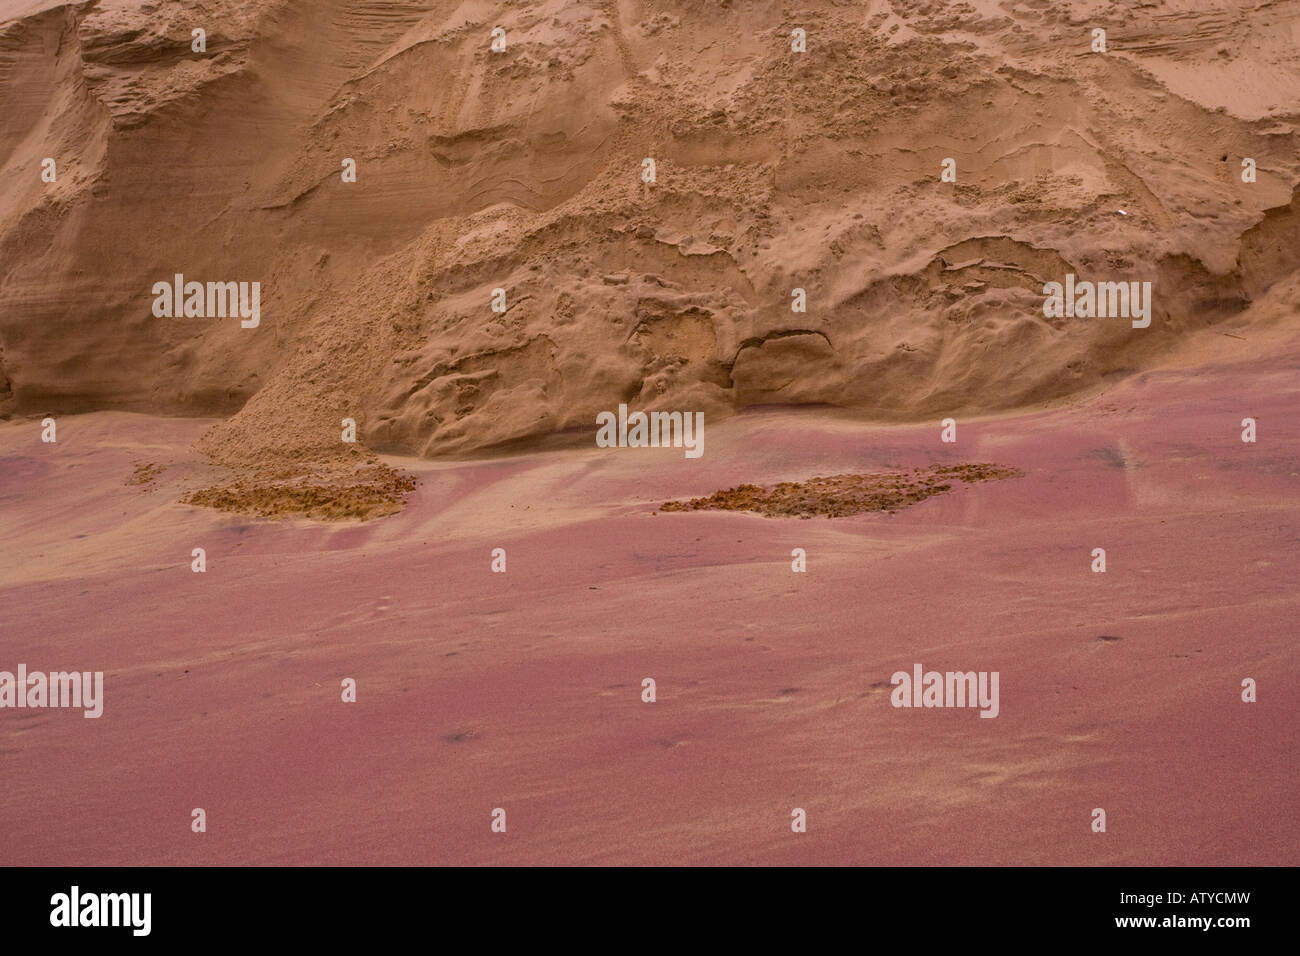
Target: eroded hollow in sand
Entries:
(840, 495)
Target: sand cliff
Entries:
(521, 170)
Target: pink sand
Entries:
(522, 690)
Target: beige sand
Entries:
(521, 171)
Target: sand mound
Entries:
(522, 171)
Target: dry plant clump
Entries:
(369, 491)
(145, 474)
(838, 496)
